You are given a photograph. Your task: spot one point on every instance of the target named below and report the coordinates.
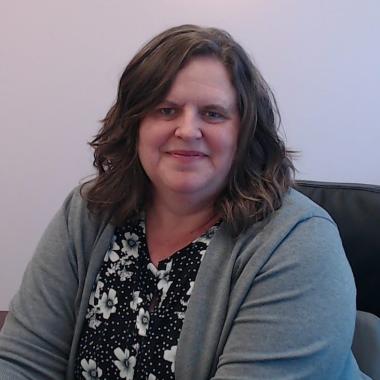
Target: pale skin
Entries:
(187, 146)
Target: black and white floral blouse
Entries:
(136, 311)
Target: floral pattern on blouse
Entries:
(135, 311)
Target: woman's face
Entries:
(188, 142)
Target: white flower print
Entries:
(111, 269)
(91, 370)
(142, 321)
(136, 347)
(124, 274)
(99, 287)
(184, 303)
(202, 253)
(91, 301)
(112, 256)
(124, 261)
(165, 287)
(153, 269)
(130, 244)
(125, 364)
(180, 314)
(169, 355)
(163, 275)
(92, 312)
(107, 303)
(95, 294)
(136, 300)
(164, 283)
(94, 323)
(188, 293)
(115, 246)
(152, 377)
(149, 297)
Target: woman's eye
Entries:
(214, 115)
(167, 111)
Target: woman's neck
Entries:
(171, 227)
(171, 213)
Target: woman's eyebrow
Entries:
(219, 107)
(222, 107)
(168, 102)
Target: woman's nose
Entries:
(189, 125)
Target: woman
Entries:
(189, 256)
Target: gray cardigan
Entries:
(278, 302)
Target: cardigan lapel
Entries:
(204, 318)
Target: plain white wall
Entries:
(60, 63)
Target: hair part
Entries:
(262, 171)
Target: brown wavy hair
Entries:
(262, 170)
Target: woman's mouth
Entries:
(187, 155)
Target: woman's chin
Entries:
(186, 189)
(192, 191)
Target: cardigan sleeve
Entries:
(298, 316)
(36, 337)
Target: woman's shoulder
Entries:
(75, 201)
(300, 223)
(296, 208)
(75, 207)
(301, 206)
(83, 226)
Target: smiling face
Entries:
(187, 144)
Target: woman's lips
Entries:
(187, 155)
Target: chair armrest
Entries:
(366, 343)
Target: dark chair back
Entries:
(356, 210)
(3, 315)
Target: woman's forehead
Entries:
(203, 80)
